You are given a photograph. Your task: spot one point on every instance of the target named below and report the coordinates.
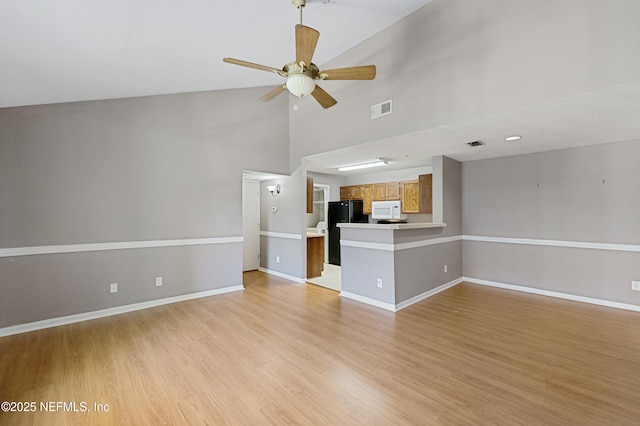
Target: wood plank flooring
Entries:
(283, 353)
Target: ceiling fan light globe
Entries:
(300, 84)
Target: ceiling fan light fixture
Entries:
(300, 84)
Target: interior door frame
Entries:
(250, 195)
(327, 194)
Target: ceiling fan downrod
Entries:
(299, 4)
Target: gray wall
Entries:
(361, 267)
(288, 219)
(139, 169)
(422, 269)
(583, 195)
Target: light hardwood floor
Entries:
(283, 353)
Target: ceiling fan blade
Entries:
(323, 97)
(365, 72)
(272, 94)
(255, 66)
(306, 41)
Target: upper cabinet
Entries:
(426, 193)
(411, 196)
(387, 191)
(415, 195)
(368, 197)
(354, 192)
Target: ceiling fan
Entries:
(302, 74)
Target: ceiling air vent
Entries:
(475, 143)
(381, 109)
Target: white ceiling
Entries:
(74, 50)
(55, 51)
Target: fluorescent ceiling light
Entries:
(513, 138)
(377, 163)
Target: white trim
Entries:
(366, 245)
(70, 319)
(555, 243)
(427, 294)
(424, 243)
(555, 294)
(282, 275)
(369, 301)
(400, 246)
(76, 248)
(281, 235)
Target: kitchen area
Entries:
(405, 250)
(362, 201)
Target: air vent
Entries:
(381, 109)
(475, 143)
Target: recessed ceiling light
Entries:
(512, 138)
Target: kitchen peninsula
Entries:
(394, 265)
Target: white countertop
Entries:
(314, 234)
(392, 225)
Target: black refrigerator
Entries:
(342, 212)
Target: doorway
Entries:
(317, 223)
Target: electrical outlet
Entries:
(445, 268)
(379, 282)
(277, 259)
(635, 285)
(113, 288)
(158, 281)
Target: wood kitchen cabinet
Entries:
(379, 192)
(315, 255)
(411, 196)
(415, 195)
(367, 198)
(394, 191)
(386, 191)
(353, 192)
(426, 194)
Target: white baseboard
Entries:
(426, 294)
(70, 319)
(395, 308)
(556, 294)
(285, 276)
(369, 301)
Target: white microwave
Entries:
(386, 210)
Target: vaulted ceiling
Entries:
(74, 50)
(55, 51)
